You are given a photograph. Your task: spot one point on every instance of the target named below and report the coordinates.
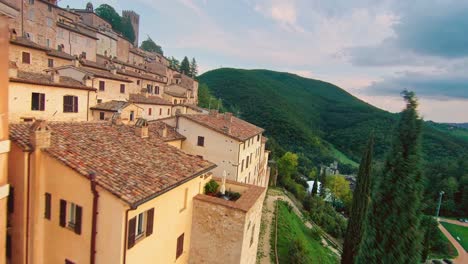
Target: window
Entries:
(47, 207)
(160, 111)
(49, 7)
(99, 101)
(38, 102)
(102, 86)
(11, 200)
(258, 138)
(168, 111)
(48, 43)
(247, 163)
(132, 115)
(149, 88)
(149, 111)
(139, 227)
(122, 88)
(31, 15)
(50, 63)
(252, 235)
(49, 22)
(70, 104)
(180, 246)
(71, 217)
(156, 89)
(26, 58)
(31, 2)
(175, 101)
(138, 82)
(201, 141)
(101, 115)
(242, 166)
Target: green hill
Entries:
(322, 122)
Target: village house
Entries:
(236, 146)
(8, 11)
(39, 95)
(109, 193)
(154, 107)
(128, 112)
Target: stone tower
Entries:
(135, 20)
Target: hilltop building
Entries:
(135, 21)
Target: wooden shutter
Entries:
(180, 246)
(75, 104)
(63, 213)
(67, 104)
(149, 221)
(101, 86)
(131, 233)
(47, 210)
(26, 58)
(11, 200)
(78, 215)
(41, 102)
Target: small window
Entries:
(38, 102)
(201, 141)
(180, 246)
(258, 138)
(99, 101)
(102, 86)
(140, 225)
(149, 88)
(70, 104)
(168, 111)
(242, 166)
(160, 111)
(47, 205)
(71, 216)
(252, 235)
(122, 88)
(156, 89)
(138, 82)
(175, 101)
(71, 219)
(247, 163)
(101, 115)
(31, 2)
(50, 63)
(132, 115)
(48, 43)
(49, 7)
(149, 111)
(26, 58)
(11, 200)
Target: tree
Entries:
(185, 66)
(127, 29)
(323, 183)
(150, 46)
(119, 24)
(287, 165)
(392, 231)
(315, 186)
(339, 188)
(361, 199)
(193, 68)
(174, 63)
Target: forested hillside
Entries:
(315, 119)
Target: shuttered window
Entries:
(201, 141)
(149, 111)
(131, 233)
(180, 246)
(73, 218)
(139, 227)
(122, 88)
(50, 63)
(38, 102)
(63, 213)
(47, 207)
(149, 222)
(102, 85)
(160, 111)
(70, 104)
(26, 58)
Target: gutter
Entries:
(92, 178)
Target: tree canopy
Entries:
(118, 23)
(185, 66)
(150, 46)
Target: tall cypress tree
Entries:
(323, 183)
(361, 199)
(392, 231)
(185, 66)
(315, 186)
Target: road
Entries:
(462, 255)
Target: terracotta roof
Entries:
(142, 99)
(156, 127)
(111, 106)
(44, 79)
(139, 75)
(77, 29)
(22, 41)
(195, 107)
(176, 91)
(93, 64)
(237, 128)
(60, 54)
(132, 168)
(105, 74)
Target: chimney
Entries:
(228, 116)
(76, 62)
(116, 119)
(13, 70)
(88, 81)
(40, 134)
(55, 76)
(141, 128)
(13, 34)
(114, 71)
(164, 131)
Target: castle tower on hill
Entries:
(135, 20)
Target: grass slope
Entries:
(460, 233)
(291, 227)
(308, 116)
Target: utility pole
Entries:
(438, 205)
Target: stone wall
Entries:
(39, 59)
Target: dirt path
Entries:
(455, 222)
(462, 255)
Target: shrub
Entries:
(211, 187)
(297, 252)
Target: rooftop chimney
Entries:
(55, 76)
(88, 81)
(76, 62)
(164, 131)
(141, 128)
(40, 134)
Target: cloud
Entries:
(283, 12)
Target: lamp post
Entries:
(438, 205)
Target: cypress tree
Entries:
(361, 199)
(185, 66)
(323, 183)
(392, 230)
(315, 186)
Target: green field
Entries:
(342, 158)
(291, 227)
(457, 231)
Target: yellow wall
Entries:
(124, 115)
(254, 148)
(155, 111)
(112, 90)
(39, 59)
(175, 143)
(253, 217)
(20, 102)
(219, 149)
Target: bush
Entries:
(233, 196)
(297, 252)
(324, 215)
(211, 187)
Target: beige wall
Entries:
(75, 44)
(39, 59)
(221, 150)
(20, 102)
(123, 47)
(112, 90)
(124, 115)
(252, 232)
(135, 58)
(175, 143)
(106, 45)
(252, 149)
(165, 111)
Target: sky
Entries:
(373, 49)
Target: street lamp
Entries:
(438, 205)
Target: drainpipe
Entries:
(126, 235)
(28, 187)
(92, 178)
(87, 108)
